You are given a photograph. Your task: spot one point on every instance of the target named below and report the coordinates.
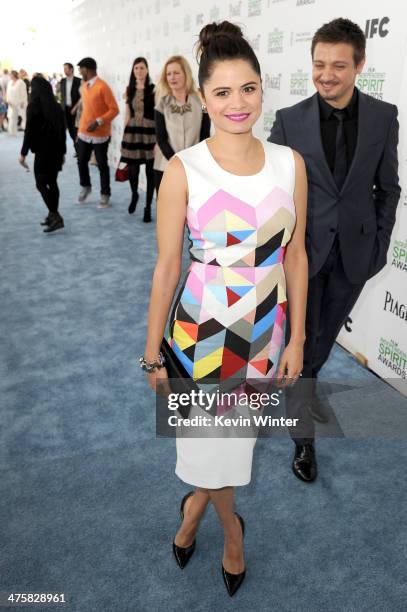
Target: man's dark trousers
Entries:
(84, 150)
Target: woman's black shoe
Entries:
(56, 222)
(183, 555)
(234, 581)
(133, 204)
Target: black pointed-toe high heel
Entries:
(183, 555)
(234, 581)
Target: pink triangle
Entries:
(250, 316)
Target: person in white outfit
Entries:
(17, 100)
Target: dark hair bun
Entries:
(213, 31)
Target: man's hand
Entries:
(92, 126)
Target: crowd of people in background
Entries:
(159, 121)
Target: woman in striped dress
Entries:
(139, 133)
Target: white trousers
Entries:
(12, 115)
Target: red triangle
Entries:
(261, 365)
(232, 297)
(231, 239)
(190, 328)
(231, 363)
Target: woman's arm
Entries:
(296, 271)
(171, 212)
(126, 113)
(162, 135)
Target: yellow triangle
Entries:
(233, 278)
(207, 364)
(235, 223)
(181, 337)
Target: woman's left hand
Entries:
(291, 364)
(22, 161)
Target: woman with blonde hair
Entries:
(179, 119)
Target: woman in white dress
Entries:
(17, 100)
(244, 203)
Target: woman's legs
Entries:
(150, 182)
(223, 500)
(158, 175)
(194, 510)
(134, 171)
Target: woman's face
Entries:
(140, 71)
(233, 96)
(175, 77)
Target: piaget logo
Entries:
(275, 41)
(399, 255)
(393, 357)
(372, 83)
(268, 120)
(272, 81)
(299, 83)
(395, 306)
(254, 8)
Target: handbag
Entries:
(122, 174)
(179, 379)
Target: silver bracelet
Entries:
(152, 365)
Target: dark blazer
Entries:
(75, 95)
(363, 212)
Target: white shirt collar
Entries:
(91, 81)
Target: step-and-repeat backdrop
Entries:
(280, 31)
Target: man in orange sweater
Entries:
(99, 108)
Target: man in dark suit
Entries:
(349, 144)
(70, 96)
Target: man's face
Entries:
(68, 70)
(84, 72)
(334, 72)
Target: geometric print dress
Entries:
(228, 319)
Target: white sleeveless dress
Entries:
(228, 319)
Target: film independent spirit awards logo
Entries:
(275, 41)
(372, 82)
(399, 255)
(299, 83)
(392, 356)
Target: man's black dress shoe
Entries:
(234, 581)
(304, 464)
(183, 555)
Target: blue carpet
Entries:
(89, 499)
